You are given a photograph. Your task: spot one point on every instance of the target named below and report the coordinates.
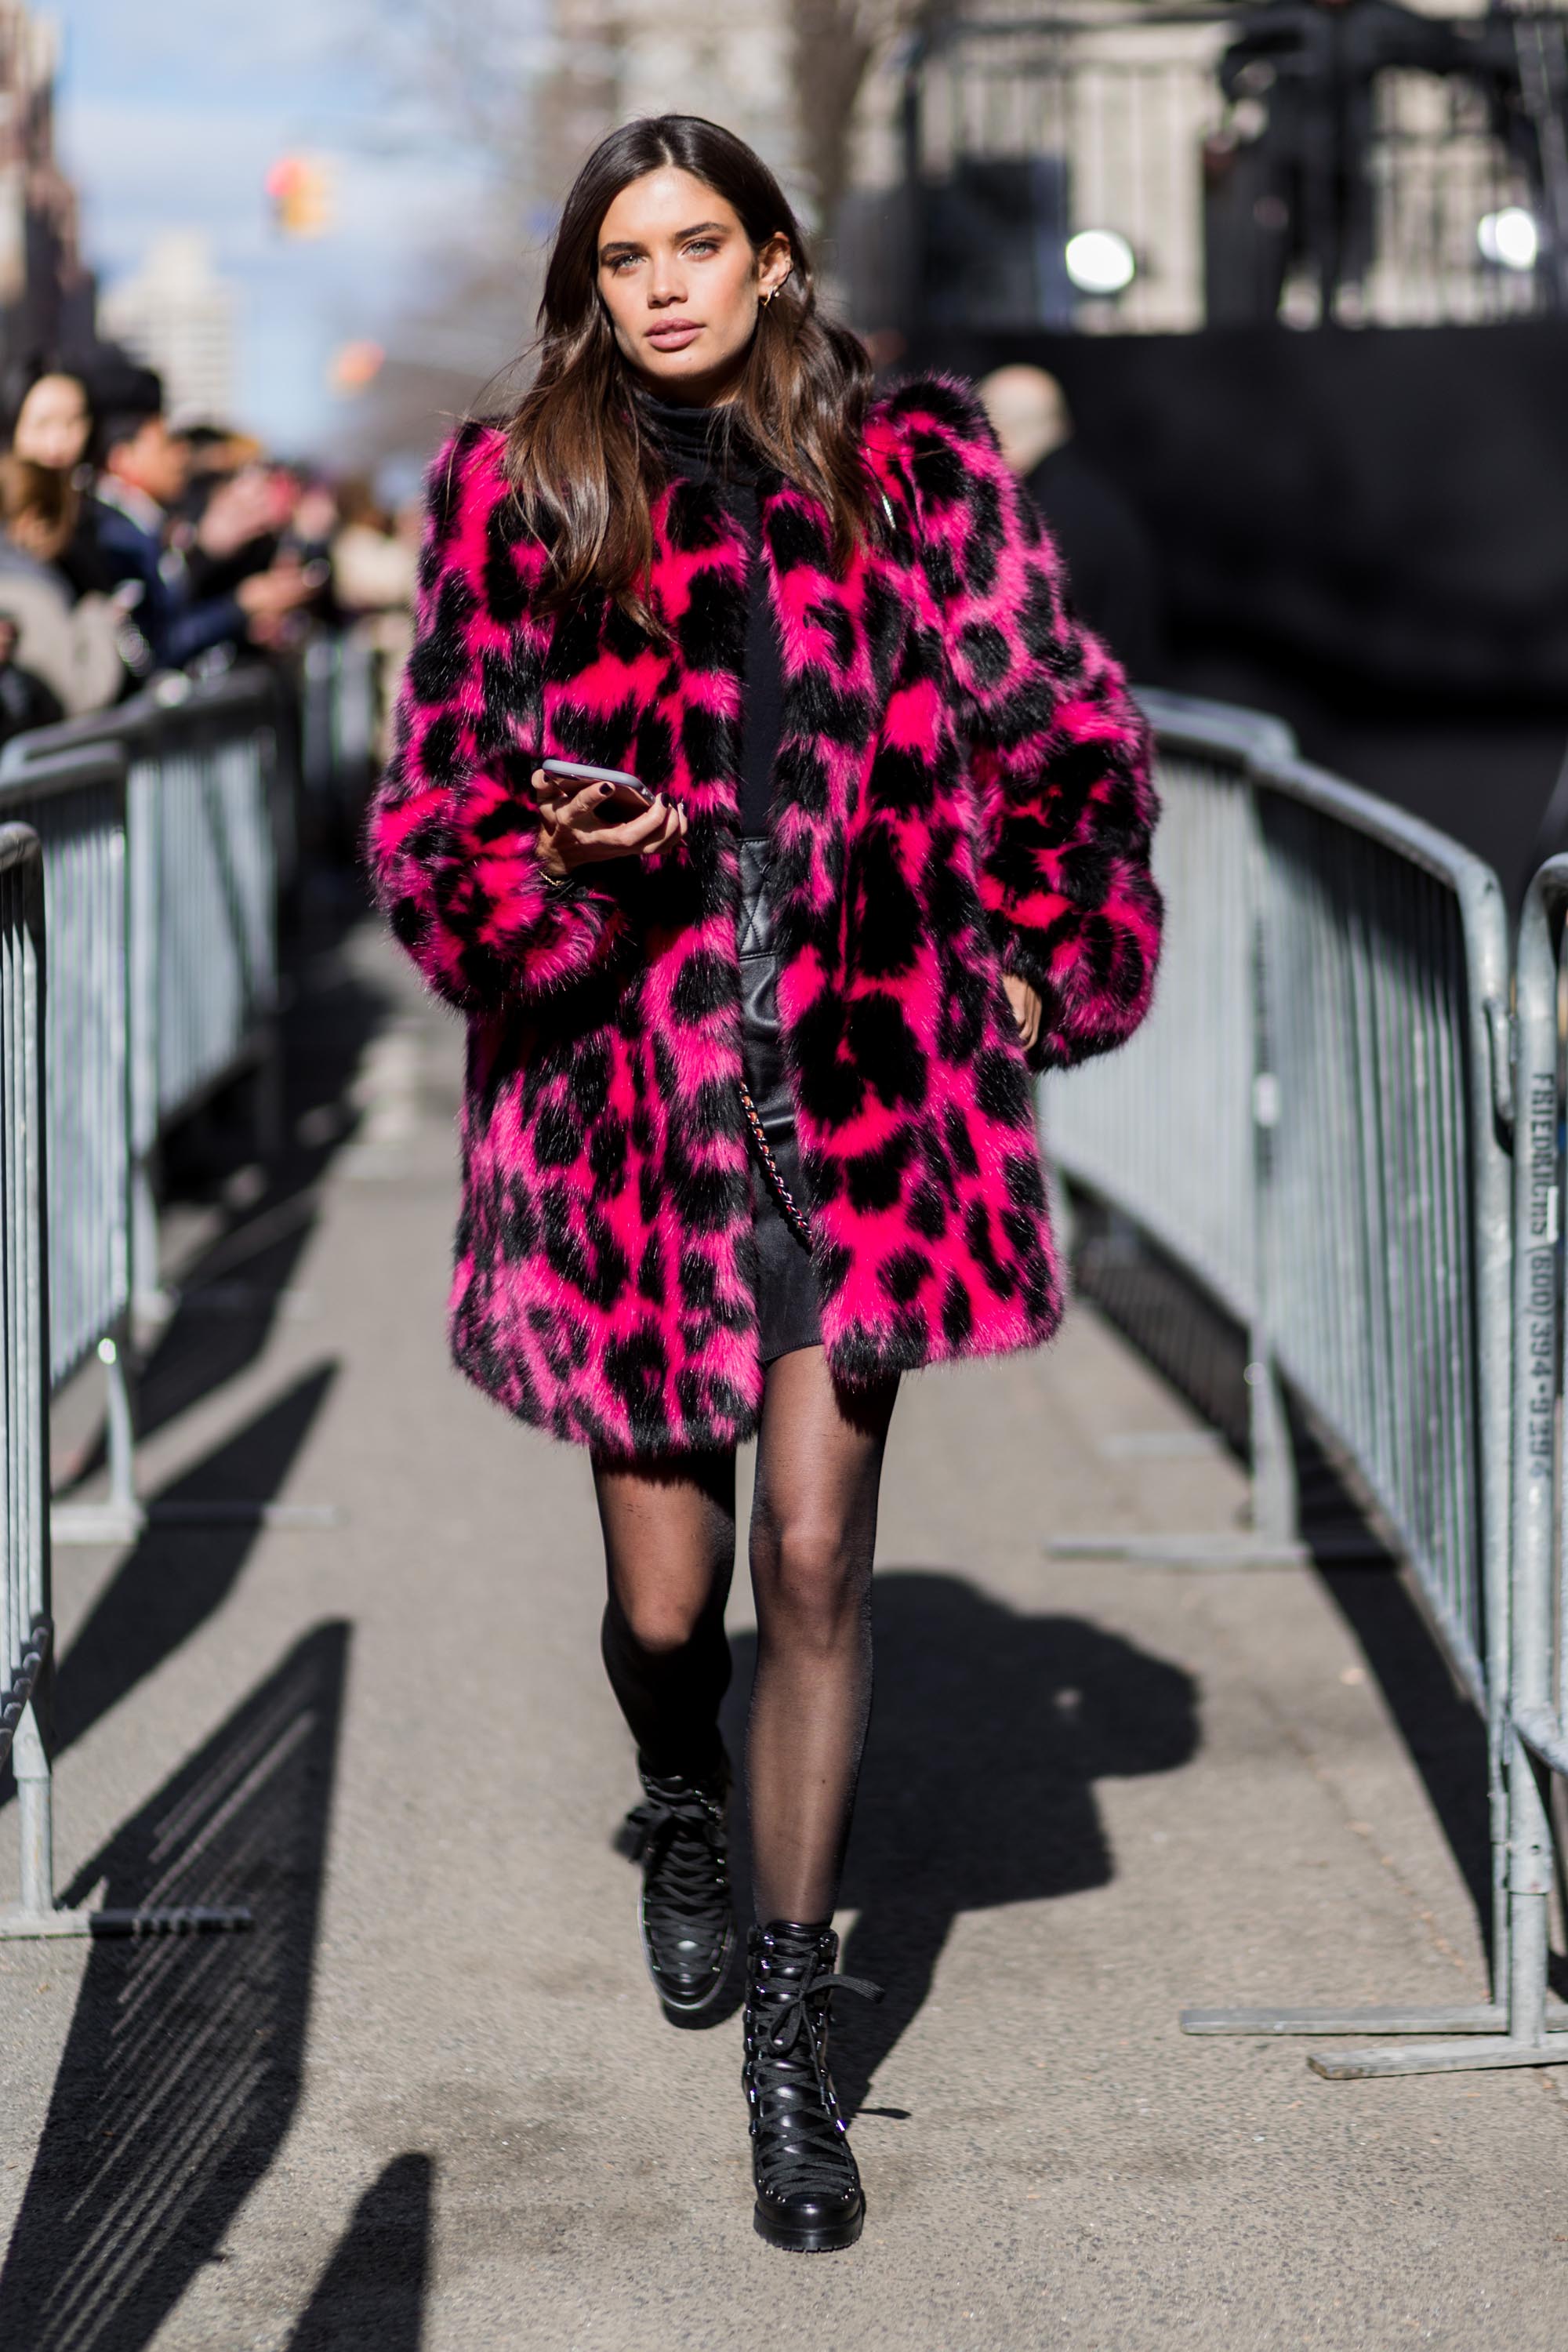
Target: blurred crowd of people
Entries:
(132, 542)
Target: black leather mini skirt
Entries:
(787, 1301)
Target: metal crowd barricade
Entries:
(340, 713)
(38, 1009)
(1165, 1130)
(318, 722)
(204, 826)
(24, 1624)
(1315, 1122)
(74, 801)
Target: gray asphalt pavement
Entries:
(428, 2102)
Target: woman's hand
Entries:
(581, 825)
(1027, 1009)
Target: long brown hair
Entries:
(579, 455)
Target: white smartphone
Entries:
(580, 772)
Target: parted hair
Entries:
(579, 454)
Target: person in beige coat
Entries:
(71, 644)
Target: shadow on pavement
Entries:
(989, 1729)
(182, 2070)
(228, 1308)
(176, 1579)
(1444, 1734)
(1203, 1354)
(371, 2298)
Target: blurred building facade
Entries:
(656, 57)
(46, 293)
(957, 148)
(177, 314)
(993, 133)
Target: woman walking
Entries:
(748, 1129)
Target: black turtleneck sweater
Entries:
(695, 439)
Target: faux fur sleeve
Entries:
(1059, 753)
(451, 829)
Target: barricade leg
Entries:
(38, 1915)
(149, 1301)
(1274, 1507)
(121, 1429)
(1275, 1517)
(30, 1764)
(1518, 2026)
(121, 1517)
(1533, 2029)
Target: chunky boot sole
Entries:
(680, 2011)
(795, 2238)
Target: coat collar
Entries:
(672, 714)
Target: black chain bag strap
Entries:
(795, 1216)
(758, 933)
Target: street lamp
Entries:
(1099, 261)
(1509, 238)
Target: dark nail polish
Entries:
(604, 789)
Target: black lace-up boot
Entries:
(687, 1917)
(809, 2190)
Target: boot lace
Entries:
(678, 1831)
(802, 2149)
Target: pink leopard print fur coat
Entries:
(962, 791)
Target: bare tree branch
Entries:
(471, 65)
(460, 76)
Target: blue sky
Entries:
(169, 116)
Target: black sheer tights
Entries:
(670, 1542)
(670, 1552)
(814, 1529)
